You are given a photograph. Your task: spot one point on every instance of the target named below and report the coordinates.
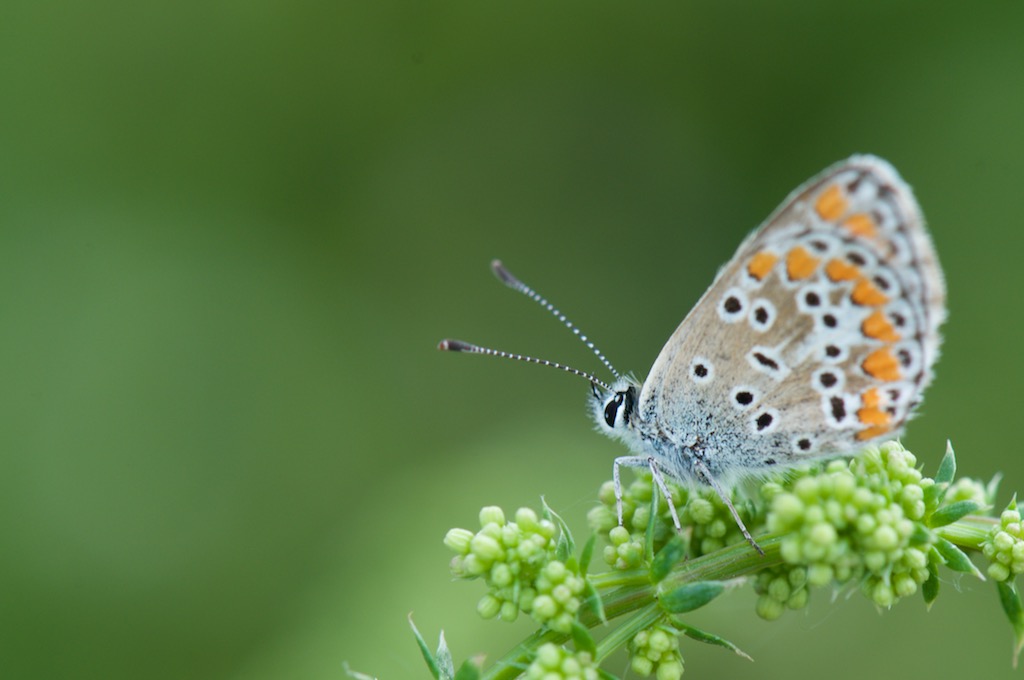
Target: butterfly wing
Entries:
(817, 337)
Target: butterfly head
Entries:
(614, 410)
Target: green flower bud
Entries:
(641, 517)
(701, 510)
(883, 595)
(457, 540)
(660, 642)
(501, 575)
(488, 607)
(819, 574)
(473, 565)
(822, 534)
(641, 665)
(562, 594)
(601, 519)
(768, 608)
(492, 514)
(886, 538)
(670, 670)
(486, 548)
(549, 655)
(998, 572)
(798, 600)
(562, 623)
(555, 571)
(915, 559)
(544, 607)
(779, 589)
(904, 585)
(791, 549)
(509, 611)
(527, 520)
(619, 535)
(606, 494)
(875, 560)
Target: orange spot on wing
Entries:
(761, 264)
(800, 264)
(837, 270)
(831, 203)
(872, 432)
(867, 294)
(860, 225)
(870, 414)
(871, 398)
(878, 327)
(882, 364)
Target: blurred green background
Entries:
(231, 235)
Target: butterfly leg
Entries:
(664, 490)
(705, 476)
(647, 462)
(625, 461)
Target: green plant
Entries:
(874, 523)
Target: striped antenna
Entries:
(506, 277)
(449, 345)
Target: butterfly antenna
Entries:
(460, 346)
(506, 277)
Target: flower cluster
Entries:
(1004, 546)
(517, 562)
(552, 662)
(636, 514)
(556, 596)
(707, 521)
(780, 588)
(656, 651)
(853, 521)
(873, 522)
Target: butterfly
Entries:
(817, 338)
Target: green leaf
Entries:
(444, 659)
(952, 512)
(955, 558)
(947, 468)
(992, 488)
(920, 536)
(425, 651)
(691, 596)
(594, 601)
(582, 640)
(1010, 599)
(588, 553)
(565, 547)
(469, 670)
(667, 558)
(709, 638)
(356, 675)
(930, 589)
(934, 494)
(605, 675)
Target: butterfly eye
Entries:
(611, 409)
